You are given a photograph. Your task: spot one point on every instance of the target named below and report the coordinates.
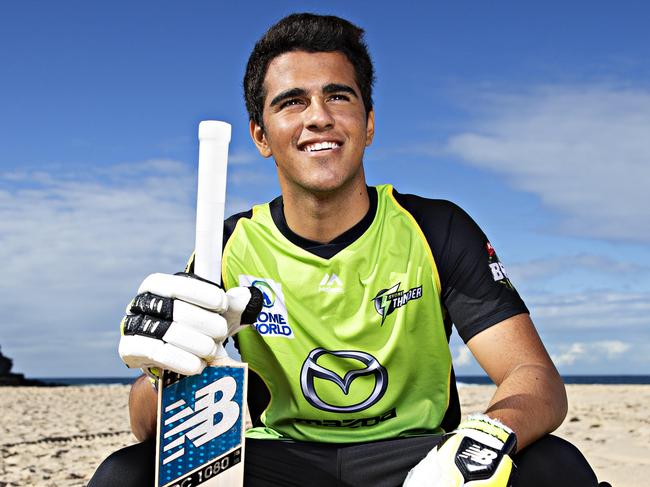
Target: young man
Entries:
(351, 374)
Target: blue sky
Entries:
(534, 118)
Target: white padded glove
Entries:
(179, 322)
(477, 454)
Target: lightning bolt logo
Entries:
(383, 301)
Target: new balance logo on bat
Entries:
(331, 284)
(200, 425)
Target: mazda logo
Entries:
(311, 370)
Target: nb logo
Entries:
(481, 456)
(209, 419)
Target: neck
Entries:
(323, 217)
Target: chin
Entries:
(328, 186)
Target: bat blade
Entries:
(201, 418)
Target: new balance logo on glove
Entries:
(482, 458)
(478, 453)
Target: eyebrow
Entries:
(327, 89)
(293, 92)
(339, 88)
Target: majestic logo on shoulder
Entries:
(272, 321)
(497, 269)
(331, 284)
(388, 300)
(312, 370)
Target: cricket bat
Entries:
(201, 418)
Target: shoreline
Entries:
(57, 436)
(462, 380)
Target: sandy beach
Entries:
(56, 437)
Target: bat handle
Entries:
(214, 137)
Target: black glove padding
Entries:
(178, 322)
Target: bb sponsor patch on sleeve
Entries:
(497, 269)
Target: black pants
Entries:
(549, 462)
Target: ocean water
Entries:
(462, 380)
(87, 381)
(468, 380)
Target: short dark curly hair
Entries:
(311, 33)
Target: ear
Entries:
(370, 127)
(259, 138)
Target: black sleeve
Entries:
(476, 291)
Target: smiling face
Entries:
(315, 123)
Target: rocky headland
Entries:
(9, 378)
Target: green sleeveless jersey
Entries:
(351, 348)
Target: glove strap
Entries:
(493, 427)
(491, 432)
(484, 446)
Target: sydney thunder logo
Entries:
(388, 300)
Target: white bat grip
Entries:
(214, 137)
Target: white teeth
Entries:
(320, 146)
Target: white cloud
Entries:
(589, 352)
(250, 178)
(552, 266)
(236, 204)
(244, 157)
(74, 247)
(606, 311)
(569, 355)
(463, 357)
(584, 150)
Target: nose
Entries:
(318, 116)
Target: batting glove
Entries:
(477, 454)
(179, 322)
